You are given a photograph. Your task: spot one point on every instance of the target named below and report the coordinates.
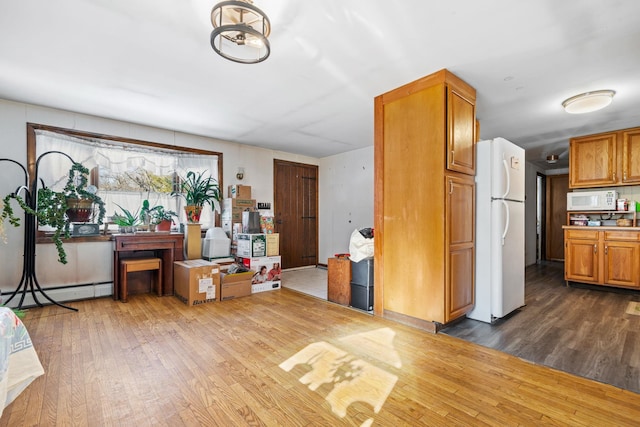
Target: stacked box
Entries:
(195, 281)
(235, 285)
(267, 273)
(232, 208)
(273, 244)
(239, 191)
(251, 245)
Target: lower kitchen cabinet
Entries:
(604, 256)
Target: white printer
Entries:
(216, 243)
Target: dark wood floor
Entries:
(579, 329)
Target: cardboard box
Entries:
(264, 287)
(251, 245)
(267, 273)
(273, 244)
(239, 191)
(196, 281)
(228, 203)
(235, 285)
(193, 241)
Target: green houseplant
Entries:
(58, 209)
(156, 216)
(198, 190)
(127, 220)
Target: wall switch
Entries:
(264, 205)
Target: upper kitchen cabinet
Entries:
(461, 125)
(631, 156)
(605, 160)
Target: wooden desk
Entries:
(168, 246)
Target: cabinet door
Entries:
(581, 261)
(622, 264)
(592, 161)
(631, 156)
(461, 116)
(460, 234)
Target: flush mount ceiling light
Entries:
(588, 102)
(552, 158)
(240, 32)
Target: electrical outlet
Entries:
(264, 205)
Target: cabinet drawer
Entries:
(633, 236)
(582, 234)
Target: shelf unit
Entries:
(610, 213)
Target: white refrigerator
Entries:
(499, 264)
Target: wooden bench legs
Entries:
(139, 264)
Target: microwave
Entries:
(592, 200)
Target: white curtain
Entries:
(117, 158)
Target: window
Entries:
(125, 171)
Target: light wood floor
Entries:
(282, 358)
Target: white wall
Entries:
(346, 199)
(257, 163)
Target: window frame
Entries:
(31, 158)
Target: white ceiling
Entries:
(151, 62)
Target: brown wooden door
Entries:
(556, 215)
(460, 230)
(296, 212)
(592, 161)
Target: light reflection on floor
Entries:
(352, 379)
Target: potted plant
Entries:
(198, 191)
(80, 198)
(58, 209)
(162, 218)
(127, 220)
(157, 217)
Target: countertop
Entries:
(600, 227)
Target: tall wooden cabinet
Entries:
(604, 160)
(425, 201)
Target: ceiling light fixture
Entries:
(588, 102)
(240, 32)
(552, 158)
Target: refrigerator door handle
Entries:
(506, 223)
(507, 176)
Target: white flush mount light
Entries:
(552, 158)
(588, 102)
(240, 32)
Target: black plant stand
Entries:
(29, 280)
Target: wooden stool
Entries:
(139, 264)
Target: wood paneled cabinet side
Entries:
(424, 249)
(460, 234)
(592, 161)
(631, 156)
